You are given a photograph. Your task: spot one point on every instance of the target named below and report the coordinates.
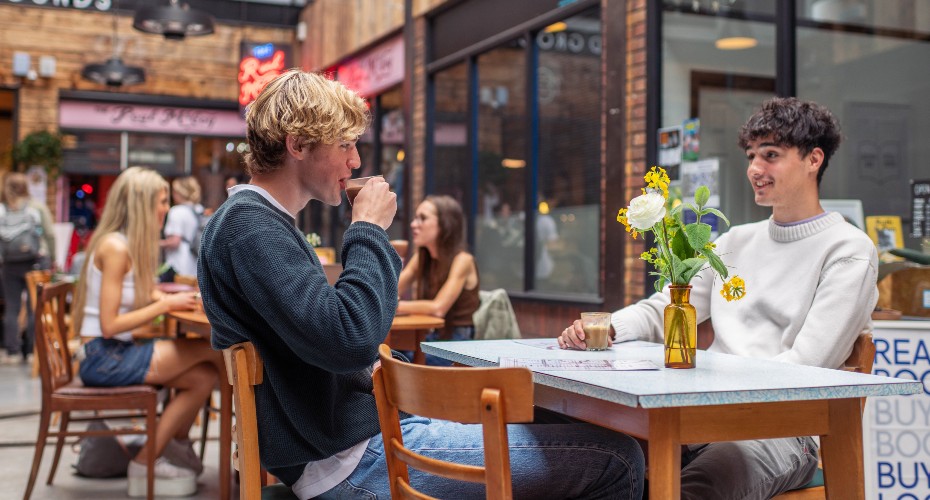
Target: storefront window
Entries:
(87, 152)
(213, 160)
(569, 166)
(164, 153)
(451, 170)
(883, 47)
(502, 163)
(720, 85)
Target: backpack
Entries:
(103, 456)
(19, 234)
(202, 219)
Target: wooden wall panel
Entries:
(199, 67)
(338, 28)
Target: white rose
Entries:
(646, 210)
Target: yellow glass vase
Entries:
(680, 329)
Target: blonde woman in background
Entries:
(26, 225)
(181, 227)
(116, 302)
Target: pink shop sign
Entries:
(154, 119)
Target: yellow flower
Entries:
(734, 289)
(657, 179)
(621, 218)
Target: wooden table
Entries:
(409, 330)
(725, 398)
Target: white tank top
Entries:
(91, 325)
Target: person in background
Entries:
(19, 213)
(262, 283)
(235, 180)
(181, 228)
(811, 289)
(444, 277)
(116, 308)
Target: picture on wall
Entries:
(885, 231)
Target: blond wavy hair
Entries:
(130, 209)
(187, 188)
(304, 105)
(15, 190)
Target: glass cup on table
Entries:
(596, 329)
(353, 186)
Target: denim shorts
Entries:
(111, 362)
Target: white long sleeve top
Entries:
(810, 291)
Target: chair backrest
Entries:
(491, 397)
(862, 356)
(33, 278)
(51, 328)
(244, 372)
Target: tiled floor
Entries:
(20, 399)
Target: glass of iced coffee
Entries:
(596, 329)
(353, 186)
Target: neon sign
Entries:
(263, 64)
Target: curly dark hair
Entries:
(791, 122)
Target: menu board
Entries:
(920, 209)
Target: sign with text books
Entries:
(885, 231)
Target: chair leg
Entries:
(40, 447)
(62, 429)
(204, 426)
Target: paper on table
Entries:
(579, 364)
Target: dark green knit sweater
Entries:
(263, 283)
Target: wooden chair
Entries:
(62, 392)
(492, 397)
(33, 278)
(244, 371)
(860, 360)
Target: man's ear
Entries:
(294, 147)
(814, 160)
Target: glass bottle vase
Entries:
(680, 329)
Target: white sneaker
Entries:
(182, 454)
(170, 480)
(10, 359)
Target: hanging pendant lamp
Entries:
(174, 21)
(113, 72)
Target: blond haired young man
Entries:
(262, 282)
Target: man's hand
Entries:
(573, 337)
(375, 203)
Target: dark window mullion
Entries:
(531, 169)
(786, 48)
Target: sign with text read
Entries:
(896, 429)
(155, 119)
(375, 70)
(259, 63)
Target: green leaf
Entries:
(718, 213)
(698, 235)
(692, 266)
(680, 247)
(715, 263)
(701, 196)
(675, 210)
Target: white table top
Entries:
(718, 378)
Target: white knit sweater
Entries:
(810, 291)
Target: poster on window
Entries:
(669, 156)
(920, 209)
(896, 429)
(695, 174)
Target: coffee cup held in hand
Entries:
(596, 329)
(353, 186)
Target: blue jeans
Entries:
(546, 460)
